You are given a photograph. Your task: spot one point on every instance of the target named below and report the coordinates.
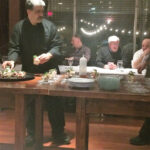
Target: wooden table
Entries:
(122, 102)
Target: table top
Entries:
(123, 71)
(137, 91)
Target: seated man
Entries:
(108, 56)
(78, 51)
(140, 54)
(144, 134)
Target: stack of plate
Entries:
(81, 82)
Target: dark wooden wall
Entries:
(4, 26)
(11, 11)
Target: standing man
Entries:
(140, 54)
(108, 56)
(78, 51)
(37, 36)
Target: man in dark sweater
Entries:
(37, 36)
(78, 51)
(108, 56)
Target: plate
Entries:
(28, 76)
(81, 82)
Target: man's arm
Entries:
(14, 48)
(144, 63)
(55, 42)
(14, 44)
(138, 59)
(87, 53)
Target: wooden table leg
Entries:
(82, 125)
(19, 122)
(38, 123)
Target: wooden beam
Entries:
(135, 24)
(14, 13)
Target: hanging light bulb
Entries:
(137, 33)
(123, 31)
(145, 33)
(129, 32)
(116, 30)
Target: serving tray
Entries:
(28, 76)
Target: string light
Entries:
(123, 31)
(104, 27)
(89, 23)
(129, 32)
(101, 28)
(109, 20)
(98, 30)
(137, 33)
(111, 29)
(116, 30)
(87, 32)
(145, 33)
(61, 29)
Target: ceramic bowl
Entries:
(109, 83)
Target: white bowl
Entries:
(81, 82)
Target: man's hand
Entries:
(141, 67)
(8, 63)
(45, 57)
(110, 66)
(147, 51)
(69, 58)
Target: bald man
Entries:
(140, 54)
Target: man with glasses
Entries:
(37, 36)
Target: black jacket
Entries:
(28, 40)
(104, 55)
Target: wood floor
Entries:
(106, 133)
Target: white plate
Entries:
(81, 82)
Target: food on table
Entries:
(131, 76)
(94, 73)
(70, 72)
(50, 75)
(11, 73)
(36, 60)
(131, 73)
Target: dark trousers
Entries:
(145, 130)
(55, 108)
